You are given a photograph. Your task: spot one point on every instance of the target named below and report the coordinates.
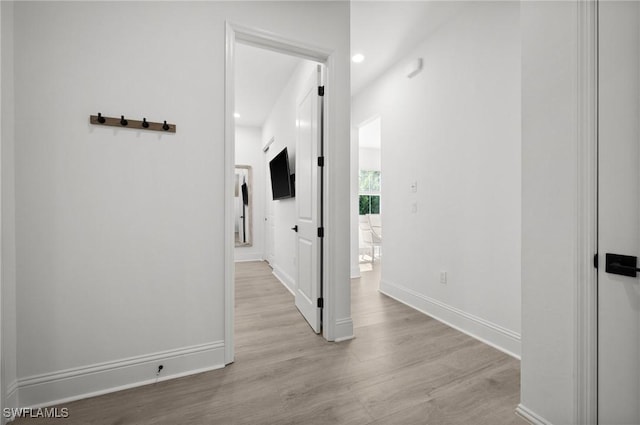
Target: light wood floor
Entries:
(402, 368)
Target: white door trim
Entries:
(267, 40)
(586, 284)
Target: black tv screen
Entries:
(281, 185)
(245, 194)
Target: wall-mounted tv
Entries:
(282, 181)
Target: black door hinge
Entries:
(321, 161)
(595, 261)
(321, 232)
(320, 302)
(320, 90)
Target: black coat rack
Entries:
(123, 122)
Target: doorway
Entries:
(308, 282)
(369, 196)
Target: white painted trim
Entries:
(229, 182)
(11, 399)
(3, 391)
(11, 396)
(368, 121)
(355, 272)
(286, 280)
(586, 284)
(248, 257)
(332, 275)
(344, 330)
(271, 41)
(267, 40)
(12, 389)
(494, 335)
(530, 416)
(67, 385)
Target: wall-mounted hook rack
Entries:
(138, 125)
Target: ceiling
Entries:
(386, 31)
(261, 75)
(383, 31)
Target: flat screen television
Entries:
(282, 184)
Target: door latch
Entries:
(624, 265)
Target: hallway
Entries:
(403, 368)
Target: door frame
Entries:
(586, 282)
(235, 33)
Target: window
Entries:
(369, 192)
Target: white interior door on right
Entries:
(308, 139)
(619, 213)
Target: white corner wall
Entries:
(8, 352)
(369, 159)
(281, 126)
(119, 233)
(549, 216)
(249, 152)
(455, 130)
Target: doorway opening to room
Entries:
(369, 197)
(275, 203)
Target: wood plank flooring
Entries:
(402, 368)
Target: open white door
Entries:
(619, 213)
(308, 189)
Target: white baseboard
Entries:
(530, 416)
(285, 279)
(498, 337)
(343, 330)
(240, 258)
(11, 400)
(64, 386)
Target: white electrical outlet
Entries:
(443, 277)
(414, 186)
(414, 207)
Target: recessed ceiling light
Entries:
(357, 58)
(236, 115)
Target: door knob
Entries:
(295, 228)
(624, 265)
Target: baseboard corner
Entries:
(489, 333)
(343, 330)
(530, 416)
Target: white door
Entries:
(619, 218)
(307, 191)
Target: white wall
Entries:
(455, 129)
(369, 159)
(549, 198)
(249, 152)
(119, 233)
(281, 126)
(8, 289)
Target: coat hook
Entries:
(165, 126)
(145, 124)
(123, 122)
(101, 119)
